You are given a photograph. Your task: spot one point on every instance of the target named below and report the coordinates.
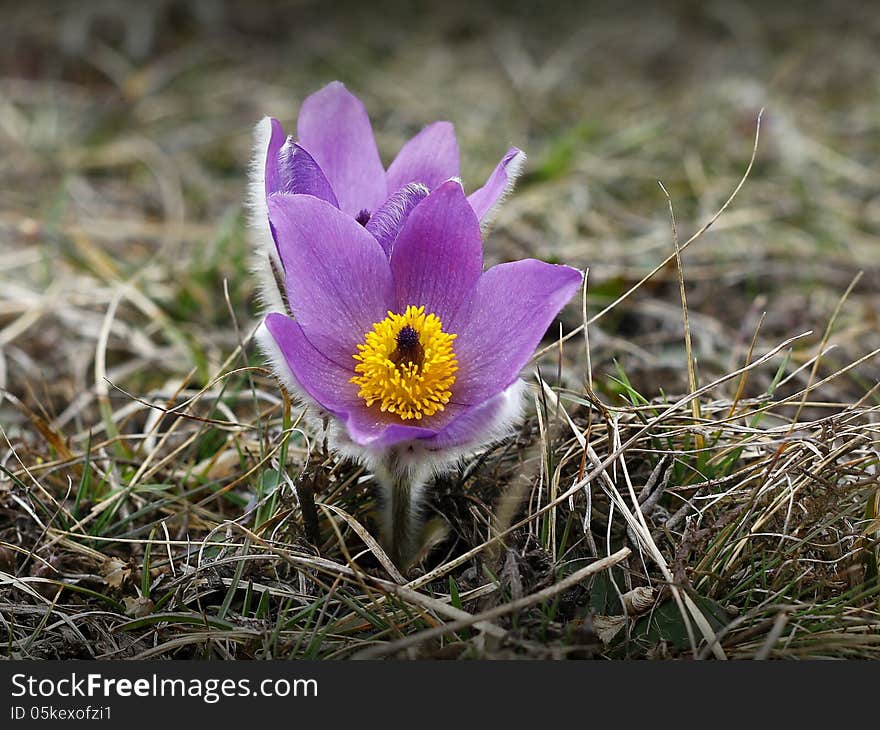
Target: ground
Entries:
(714, 434)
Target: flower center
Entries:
(407, 364)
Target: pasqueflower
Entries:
(411, 353)
(335, 159)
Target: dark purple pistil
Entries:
(363, 217)
(409, 348)
(407, 338)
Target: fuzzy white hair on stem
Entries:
(402, 472)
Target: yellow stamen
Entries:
(407, 364)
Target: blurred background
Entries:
(125, 130)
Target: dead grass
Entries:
(699, 485)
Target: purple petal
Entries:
(513, 306)
(371, 427)
(500, 182)
(430, 158)
(299, 174)
(483, 423)
(333, 125)
(438, 257)
(338, 279)
(324, 380)
(457, 429)
(273, 147)
(386, 222)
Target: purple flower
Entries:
(415, 356)
(335, 159)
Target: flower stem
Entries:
(401, 489)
